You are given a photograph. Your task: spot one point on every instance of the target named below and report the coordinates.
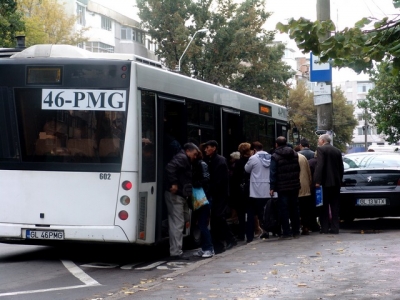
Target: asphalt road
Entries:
(112, 272)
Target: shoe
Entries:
(296, 236)
(231, 245)
(178, 257)
(285, 237)
(258, 234)
(333, 231)
(207, 254)
(265, 235)
(198, 253)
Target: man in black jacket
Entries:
(219, 191)
(285, 179)
(179, 188)
(329, 175)
(305, 149)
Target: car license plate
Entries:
(44, 234)
(371, 201)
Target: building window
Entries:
(105, 23)
(349, 102)
(99, 47)
(80, 12)
(131, 34)
(361, 131)
(360, 117)
(126, 33)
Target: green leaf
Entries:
(362, 22)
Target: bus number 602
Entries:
(105, 176)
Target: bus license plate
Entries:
(44, 234)
(371, 201)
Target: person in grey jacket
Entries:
(178, 189)
(258, 167)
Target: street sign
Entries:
(319, 71)
(322, 89)
(322, 99)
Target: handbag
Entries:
(199, 198)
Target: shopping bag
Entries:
(319, 199)
(199, 198)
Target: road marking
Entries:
(131, 266)
(78, 273)
(152, 266)
(44, 290)
(74, 270)
(100, 265)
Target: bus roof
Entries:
(68, 51)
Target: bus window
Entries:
(148, 137)
(8, 128)
(67, 136)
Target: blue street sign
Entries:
(319, 72)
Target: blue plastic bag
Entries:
(199, 198)
(319, 199)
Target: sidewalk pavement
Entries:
(345, 266)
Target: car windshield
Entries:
(362, 161)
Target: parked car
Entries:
(371, 185)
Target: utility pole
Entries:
(325, 111)
(366, 129)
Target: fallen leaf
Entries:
(301, 285)
(129, 293)
(227, 271)
(274, 272)
(318, 253)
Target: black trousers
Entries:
(330, 199)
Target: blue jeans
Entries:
(203, 217)
(289, 209)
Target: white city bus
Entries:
(85, 138)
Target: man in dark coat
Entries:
(178, 189)
(305, 149)
(285, 179)
(219, 191)
(329, 175)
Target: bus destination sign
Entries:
(265, 109)
(104, 100)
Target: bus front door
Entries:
(172, 134)
(232, 132)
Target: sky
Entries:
(344, 13)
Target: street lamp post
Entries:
(180, 59)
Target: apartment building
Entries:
(109, 30)
(364, 133)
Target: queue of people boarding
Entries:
(264, 193)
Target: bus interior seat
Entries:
(47, 146)
(109, 147)
(83, 147)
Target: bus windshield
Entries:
(63, 136)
